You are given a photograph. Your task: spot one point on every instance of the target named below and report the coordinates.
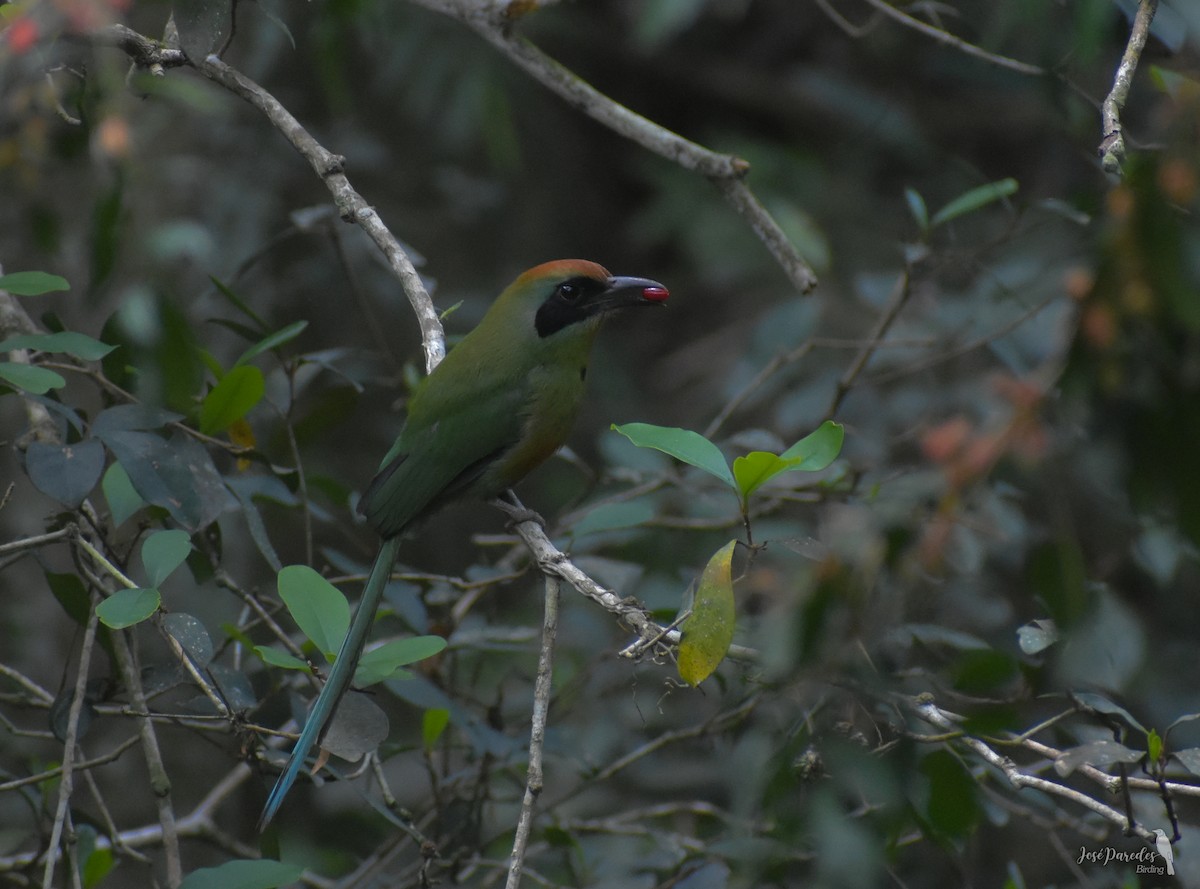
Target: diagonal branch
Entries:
(353, 208)
(727, 171)
(1112, 143)
(957, 42)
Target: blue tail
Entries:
(339, 677)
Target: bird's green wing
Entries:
(439, 460)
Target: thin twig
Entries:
(160, 781)
(1112, 142)
(67, 783)
(36, 541)
(82, 765)
(725, 170)
(957, 42)
(537, 733)
(900, 294)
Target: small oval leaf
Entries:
(232, 398)
(433, 724)
(682, 444)
(317, 606)
(755, 469)
(359, 726)
(974, 199)
(163, 552)
(32, 283)
(381, 662)
(65, 472)
(190, 633)
(123, 499)
(708, 632)
(272, 341)
(817, 449)
(124, 608)
(78, 344)
(278, 658)
(37, 380)
(259, 873)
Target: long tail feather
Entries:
(339, 677)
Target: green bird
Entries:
(503, 400)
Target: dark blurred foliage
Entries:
(1020, 447)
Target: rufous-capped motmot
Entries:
(500, 403)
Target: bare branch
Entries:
(900, 294)
(353, 208)
(1112, 142)
(957, 42)
(67, 784)
(934, 715)
(725, 170)
(160, 782)
(537, 733)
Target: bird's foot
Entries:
(518, 513)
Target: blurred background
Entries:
(1008, 334)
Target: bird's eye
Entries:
(568, 292)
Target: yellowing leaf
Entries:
(242, 435)
(709, 630)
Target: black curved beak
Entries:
(621, 291)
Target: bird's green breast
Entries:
(547, 415)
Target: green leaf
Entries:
(433, 723)
(177, 475)
(32, 283)
(1189, 758)
(232, 398)
(276, 657)
(817, 449)
(1154, 746)
(359, 726)
(916, 206)
(65, 472)
(123, 499)
(163, 552)
(132, 417)
(37, 380)
(1101, 754)
(238, 303)
(78, 344)
(973, 200)
(1090, 700)
(243, 873)
(96, 864)
(708, 632)
(755, 469)
(682, 444)
(273, 341)
(317, 606)
(191, 634)
(380, 663)
(125, 608)
(953, 805)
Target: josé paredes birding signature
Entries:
(503, 400)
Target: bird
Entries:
(499, 404)
(1163, 845)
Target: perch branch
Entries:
(1112, 142)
